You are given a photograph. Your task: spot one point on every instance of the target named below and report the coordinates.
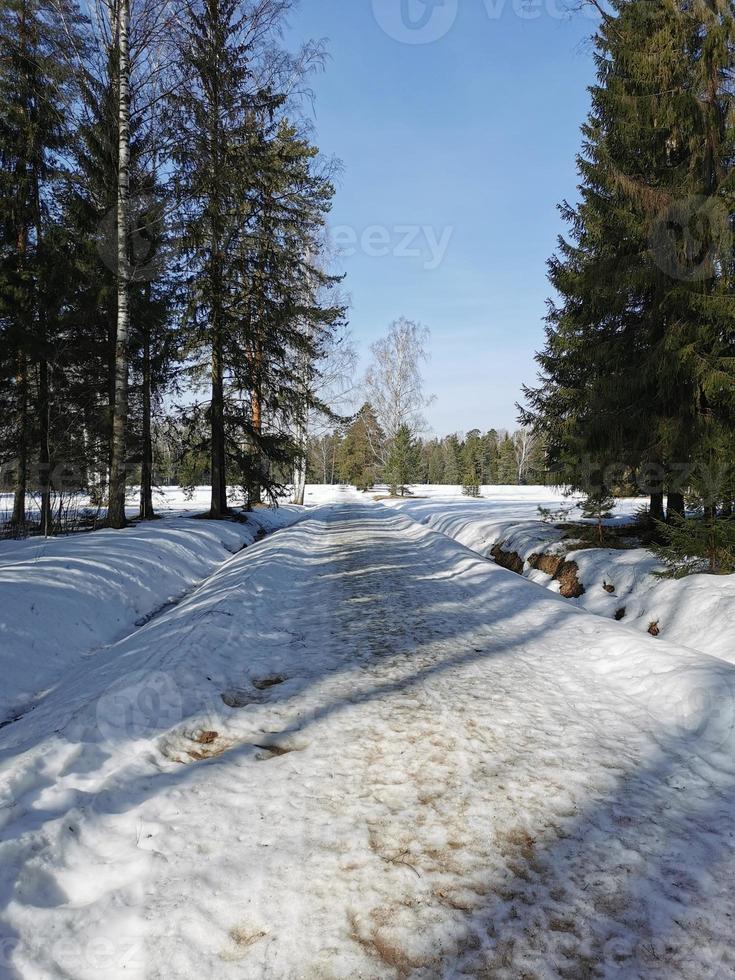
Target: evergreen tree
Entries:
(507, 465)
(472, 463)
(452, 460)
(357, 457)
(36, 96)
(637, 353)
(490, 457)
(214, 106)
(435, 463)
(287, 319)
(598, 506)
(254, 209)
(403, 460)
(470, 488)
(706, 539)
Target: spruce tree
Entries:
(213, 107)
(598, 506)
(287, 318)
(36, 98)
(403, 461)
(507, 468)
(357, 456)
(452, 460)
(636, 359)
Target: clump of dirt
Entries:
(238, 697)
(653, 628)
(205, 738)
(374, 940)
(272, 751)
(620, 613)
(562, 571)
(517, 840)
(210, 746)
(549, 564)
(244, 937)
(507, 559)
(608, 587)
(570, 586)
(263, 683)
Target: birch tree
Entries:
(118, 457)
(394, 384)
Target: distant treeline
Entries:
(358, 455)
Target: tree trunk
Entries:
(146, 465)
(218, 508)
(44, 399)
(656, 506)
(256, 412)
(218, 476)
(116, 504)
(302, 435)
(44, 453)
(299, 477)
(21, 475)
(302, 413)
(675, 506)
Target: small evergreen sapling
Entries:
(697, 544)
(704, 542)
(598, 506)
(470, 486)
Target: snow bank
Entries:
(524, 539)
(61, 599)
(698, 611)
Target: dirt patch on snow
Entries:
(263, 683)
(566, 573)
(549, 564)
(568, 578)
(507, 559)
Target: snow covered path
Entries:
(360, 750)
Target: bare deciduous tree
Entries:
(524, 444)
(394, 383)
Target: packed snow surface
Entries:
(360, 750)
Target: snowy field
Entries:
(354, 749)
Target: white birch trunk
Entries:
(302, 424)
(116, 511)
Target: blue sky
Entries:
(471, 135)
